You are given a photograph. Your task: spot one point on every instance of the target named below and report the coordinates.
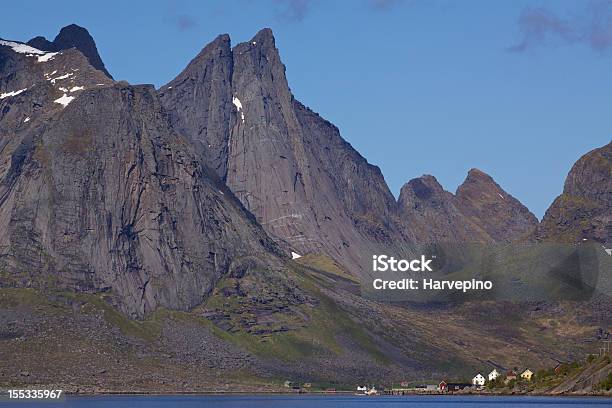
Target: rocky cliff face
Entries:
(307, 187)
(98, 193)
(583, 210)
(199, 102)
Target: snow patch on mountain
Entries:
(22, 48)
(47, 57)
(13, 93)
(68, 75)
(64, 100)
(238, 106)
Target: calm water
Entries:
(315, 402)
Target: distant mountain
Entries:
(431, 214)
(584, 209)
(72, 36)
(494, 210)
(480, 212)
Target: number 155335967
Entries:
(34, 394)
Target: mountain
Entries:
(494, 210)
(72, 36)
(308, 188)
(306, 185)
(432, 215)
(98, 193)
(582, 211)
(480, 211)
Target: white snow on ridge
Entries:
(26, 120)
(295, 255)
(22, 48)
(64, 100)
(13, 93)
(238, 106)
(501, 196)
(76, 88)
(47, 57)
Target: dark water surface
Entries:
(210, 401)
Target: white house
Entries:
(527, 374)
(363, 389)
(478, 380)
(493, 375)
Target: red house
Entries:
(510, 375)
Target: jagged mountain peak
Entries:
(221, 42)
(475, 174)
(480, 186)
(489, 206)
(73, 36)
(262, 50)
(423, 187)
(265, 36)
(429, 214)
(480, 211)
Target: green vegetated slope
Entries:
(330, 337)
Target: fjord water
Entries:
(284, 401)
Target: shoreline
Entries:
(330, 394)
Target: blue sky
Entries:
(519, 89)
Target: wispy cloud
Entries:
(591, 26)
(599, 33)
(539, 25)
(185, 22)
(384, 5)
(177, 15)
(293, 10)
(298, 10)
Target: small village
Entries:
(405, 388)
(494, 380)
(477, 384)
